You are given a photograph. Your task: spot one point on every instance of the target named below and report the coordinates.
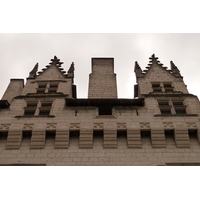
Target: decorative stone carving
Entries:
(75, 126)
(28, 127)
(121, 125)
(168, 125)
(191, 125)
(98, 125)
(4, 126)
(51, 126)
(145, 125)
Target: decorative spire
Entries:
(55, 61)
(32, 74)
(138, 70)
(71, 69)
(153, 60)
(70, 72)
(175, 70)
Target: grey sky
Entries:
(20, 52)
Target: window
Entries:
(162, 87)
(45, 108)
(34, 108)
(45, 87)
(168, 87)
(41, 88)
(98, 138)
(121, 138)
(30, 108)
(156, 87)
(105, 110)
(164, 106)
(172, 106)
(53, 88)
(179, 107)
(74, 138)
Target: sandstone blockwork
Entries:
(42, 122)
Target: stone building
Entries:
(42, 122)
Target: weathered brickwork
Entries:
(43, 123)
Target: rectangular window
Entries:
(98, 138)
(45, 108)
(193, 136)
(174, 106)
(30, 108)
(179, 106)
(168, 87)
(105, 110)
(26, 138)
(41, 88)
(156, 87)
(53, 88)
(3, 139)
(121, 138)
(145, 137)
(74, 138)
(29, 112)
(50, 138)
(169, 137)
(164, 106)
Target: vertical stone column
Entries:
(181, 136)
(110, 136)
(102, 80)
(86, 136)
(14, 138)
(134, 136)
(62, 136)
(38, 136)
(158, 136)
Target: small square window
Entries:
(32, 104)
(29, 112)
(156, 87)
(44, 112)
(165, 111)
(105, 110)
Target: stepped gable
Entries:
(56, 62)
(154, 61)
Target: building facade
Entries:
(42, 122)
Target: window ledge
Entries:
(176, 115)
(106, 116)
(34, 116)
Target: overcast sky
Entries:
(20, 52)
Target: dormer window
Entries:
(168, 87)
(164, 87)
(53, 87)
(47, 87)
(34, 108)
(174, 106)
(41, 87)
(156, 87)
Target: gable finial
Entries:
(174, 69)
(56, 62)
(32, 74)
(154, 59)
